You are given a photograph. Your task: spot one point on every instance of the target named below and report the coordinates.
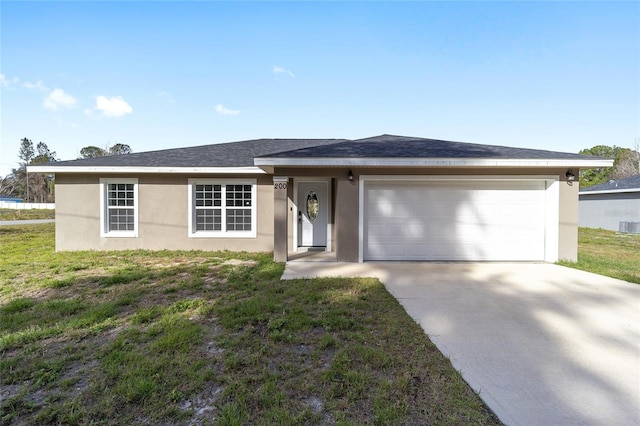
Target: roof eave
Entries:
(609, 191)
(144, 170)
(264, 165)
(431, 162)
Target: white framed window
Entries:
(222, 208)
(119, 207)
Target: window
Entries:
(208, 207)
(313, 206)
(119, 207)
(222, 208)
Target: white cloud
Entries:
(7, 83)
(57, 99)
(113, 107)
(279, 70)
(166, 97)
(38, 85)
(225, 111)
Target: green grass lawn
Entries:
(608, 253)
(10, 214)
(140, 337)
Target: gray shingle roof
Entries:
(232, 154)
(242, 154)
(390, 146)
(616, 185)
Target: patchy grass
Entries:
(608, 253)
(10, 214)
(192, 338)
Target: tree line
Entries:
(39, 187)
(626, 164)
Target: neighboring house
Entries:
(380, 198)
(614, 205)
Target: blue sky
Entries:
(154, 75)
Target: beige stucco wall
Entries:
(280, 219)
(163, 210)
(77, 213)
(347, 219)
(163, 215)
(568, 221)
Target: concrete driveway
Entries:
(542, 344)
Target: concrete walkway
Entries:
(25, 222)
(541, 344)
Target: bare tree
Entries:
(628, 162)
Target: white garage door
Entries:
(454, 220)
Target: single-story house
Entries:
(614, 205)
(380, 198)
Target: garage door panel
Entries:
(454, 220)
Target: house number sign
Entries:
(280, 185)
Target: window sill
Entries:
(203, 234)
(116, 234)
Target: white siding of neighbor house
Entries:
(607, 211)
(12, 205)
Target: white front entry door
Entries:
(313, 214)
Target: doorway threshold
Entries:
(312, 254)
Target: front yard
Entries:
(200, 338)
(608, 253)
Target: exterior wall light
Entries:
(350, 176)
(570, 177)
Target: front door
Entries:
(313, 214)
